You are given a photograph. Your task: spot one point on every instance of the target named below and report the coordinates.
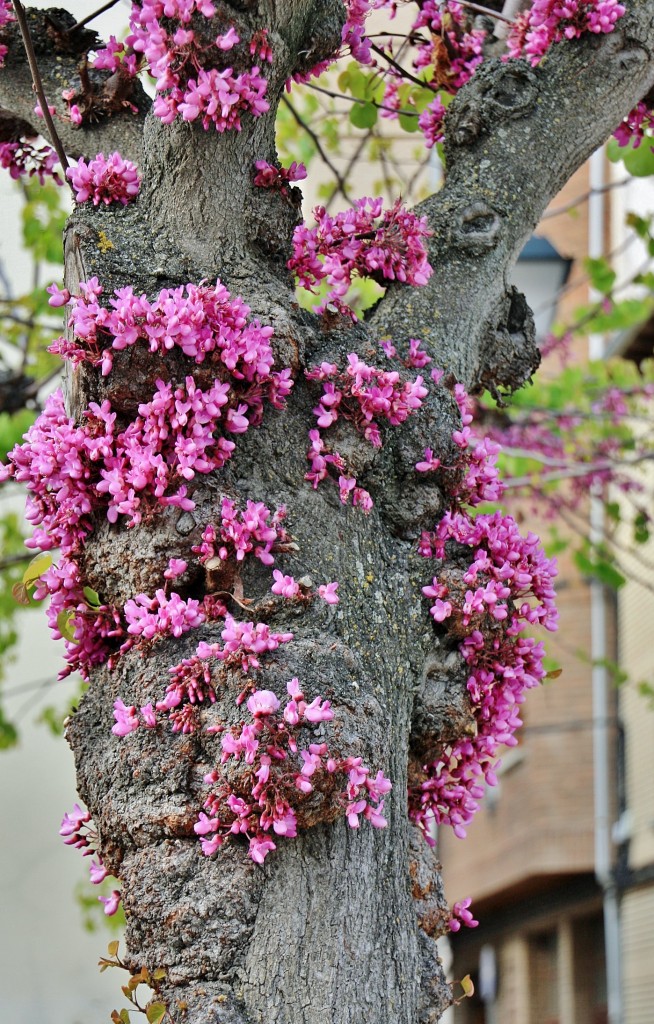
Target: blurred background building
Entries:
(560, 860)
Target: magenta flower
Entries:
(262, 702)
(176, 567)
(462, 915)
(105, 180)
(284, 585)
(111, 903)
(126, 719)
(327, 591)
(260, 848)
(97, 871)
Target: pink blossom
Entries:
(97, 872)
(363, 240)
(176, 567)
(260, 848)
(327, 591)
(149, 717)
(111, 903)
(429, 464)
(126, 719)
(58, 297)
(72, 821)
(284, 585)
(104, 180)
(26, 159)
(227, 40)
(318, 711)
(462, 915)
(268, 176)
(263, 702)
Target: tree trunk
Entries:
(338, 925)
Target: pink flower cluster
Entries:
(637, 122)
(452, 52)
(24, 158)
(462, 915)
(183, 62)
(549, 21)
(482, 480)
(353, 34)
(90, 630)
(202, 320)
(76, 831)
(72, 470)
(432, 122)
(268, 176)
(277, 772)
(363, 240)
(162, 615)
(453, 49)
(506, 589)
(446, 61)
(254, 530)
(105, 180)
(363, 395)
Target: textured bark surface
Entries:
(338, 927)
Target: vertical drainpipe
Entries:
(600, 678)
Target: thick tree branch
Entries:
(514, 135)
(60, 50)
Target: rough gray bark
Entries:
(337, 927)
(60, 55)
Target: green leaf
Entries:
(641, 528)
(363, 115)
(639, 161)
(39, 564)
(641, 225)
(8, 734)
(600, 569)
(601, 275)
(467, 986)
(155, 1012)
(408, 122)
(92, 598)
(12, 428)
(112, 948)
(64, 627)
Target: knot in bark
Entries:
(511, 355)
(442, 709)
(477, 229)
(499, 92)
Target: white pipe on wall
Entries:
(600, 676)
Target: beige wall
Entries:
(638, 948)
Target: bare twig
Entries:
(584, 197)
(91, 17)
(398, 67)
(38, 84)
(354, 99)
(567, 472)
(10, 560)
(487, 11)
(342, 188)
